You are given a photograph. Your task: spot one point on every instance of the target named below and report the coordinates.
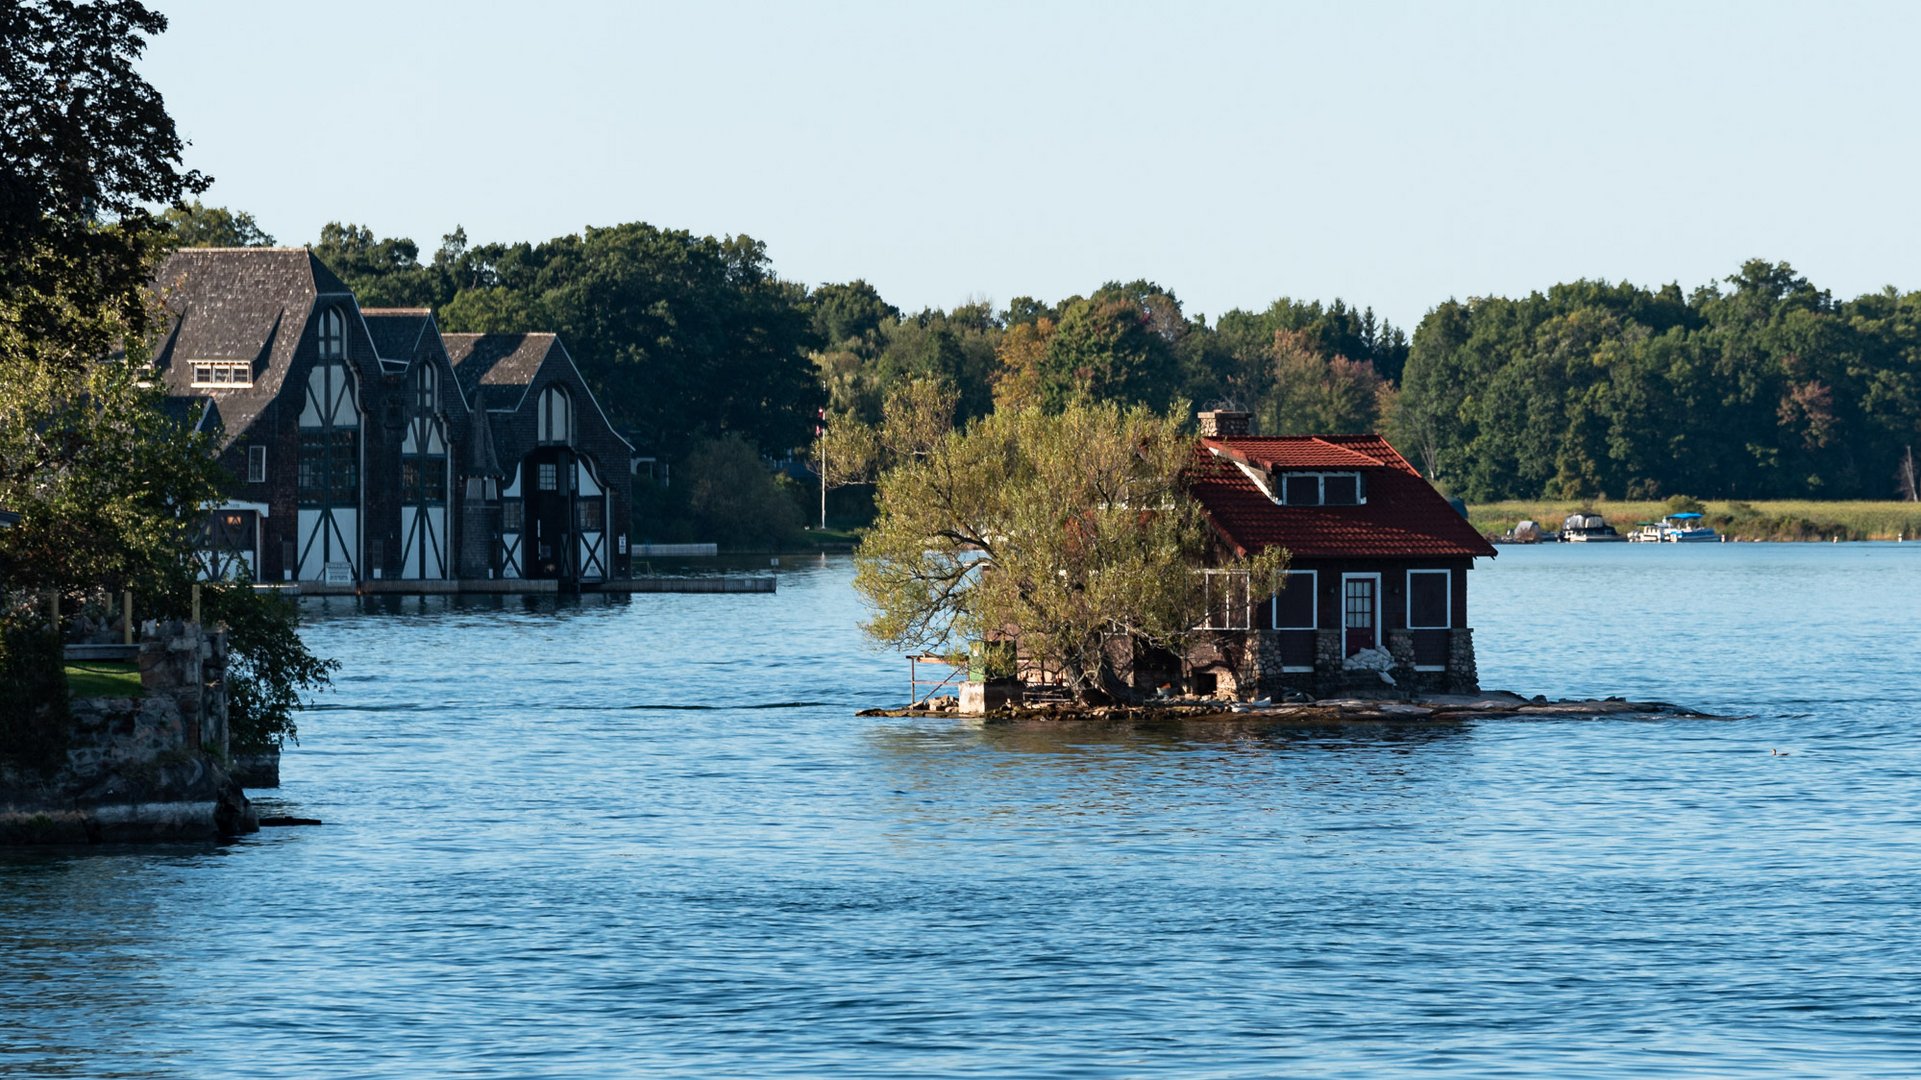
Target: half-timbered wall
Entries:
(327, 537)
(426, 478)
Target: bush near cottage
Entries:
(1066, 529)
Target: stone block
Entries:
(980, 699)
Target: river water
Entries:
(649, 836)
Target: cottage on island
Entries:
(1376, 582)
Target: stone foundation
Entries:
(1330, 679)
(140, 769)
(982, 698)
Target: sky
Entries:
(1391, 154)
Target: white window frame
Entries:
(222, 374)
(1245, 608)
(426, 390)
(1380, 607)
(1447, 608)
(257, 463)
(1314, 599)
(554, 415)
(1313, 590)
(1279, 494)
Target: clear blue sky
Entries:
(1394, 154)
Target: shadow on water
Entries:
(1056, 737)
(323, 608)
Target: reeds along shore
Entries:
(1774, 519)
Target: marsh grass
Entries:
(1774, 519)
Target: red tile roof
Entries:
(1404, 517)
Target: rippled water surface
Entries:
(650, 836)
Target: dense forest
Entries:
(1759, 386)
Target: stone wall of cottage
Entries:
(1330, 678)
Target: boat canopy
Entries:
(1689, 516)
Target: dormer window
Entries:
(1341, 489)
(222, 374)
(333, 335)
(1322, 489)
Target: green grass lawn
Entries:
(1776, 519)
(103, 678)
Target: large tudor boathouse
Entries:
(1378, 564)
(369, 446)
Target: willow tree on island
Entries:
(1066, 531)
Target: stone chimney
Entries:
(1223, 424)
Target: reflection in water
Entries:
(598, 836)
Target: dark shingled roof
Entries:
(238, 304)
(497, 368)
(396, 331)
(1404, 517)
(197, 413)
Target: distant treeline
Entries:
(1767, 388)
(1764, 388)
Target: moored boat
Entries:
(1589, 529)
(1687, 528)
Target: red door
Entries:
(1360, 608)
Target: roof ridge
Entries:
(1325, 440)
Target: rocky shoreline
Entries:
(1432, 708)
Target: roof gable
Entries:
(502, 362)
(396, 332)
(1403, 516)
(239, 304)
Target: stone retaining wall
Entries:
(140, 769)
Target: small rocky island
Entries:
(1439, 708)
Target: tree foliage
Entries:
(1761, 387)
(269, 670)
(1067, 529)
(736, 500)
(110, 486)
(196, 225)
(86, 147)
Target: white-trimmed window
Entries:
(1430, 603)
(1321, 489)
(222, 373)
(256, 464)
(554, 416)
(1297, 604)
(425, 387)
(333, 335)
(1226, 600)
(547, 476)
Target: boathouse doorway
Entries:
(547, 483)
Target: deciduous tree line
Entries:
(1756, 387)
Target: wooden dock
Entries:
(763, 583)
(758, 583)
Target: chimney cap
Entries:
(1223, 423)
